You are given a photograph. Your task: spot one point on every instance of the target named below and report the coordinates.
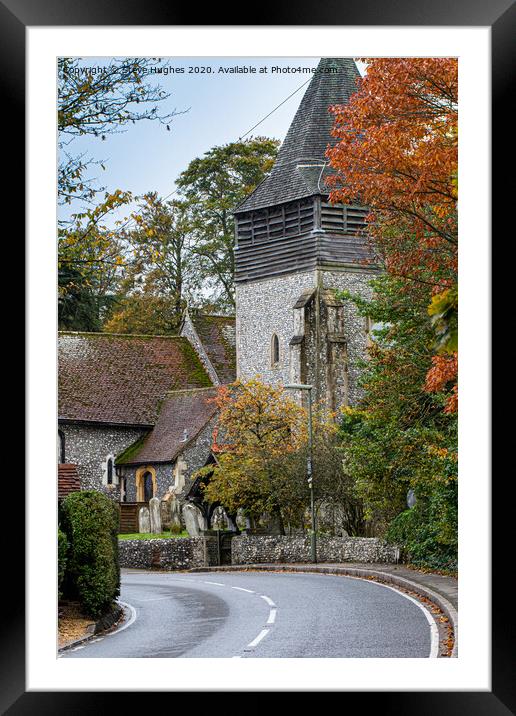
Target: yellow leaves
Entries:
(440, 452)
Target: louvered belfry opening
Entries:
(275, 222)
(287, 223)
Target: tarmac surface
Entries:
(232, 614)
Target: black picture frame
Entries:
(499, 15)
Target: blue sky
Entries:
(219, 108)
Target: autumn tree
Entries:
(397, 154)
(159, 273)
(261, 442)
(95, 101)
(259, 428)
(91, 258)
(215, 184)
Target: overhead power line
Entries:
(174, 191)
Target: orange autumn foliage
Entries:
(397, 154)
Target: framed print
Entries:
(146, 465)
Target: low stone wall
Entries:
(258, 549)
(169, 553)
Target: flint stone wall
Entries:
(169, 553)
(258, 549)
(89, 446)
(266, 307)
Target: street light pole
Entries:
(309, 466)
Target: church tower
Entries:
(294, 251)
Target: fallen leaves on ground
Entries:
(73, 624)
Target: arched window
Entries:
(275, 354)
(109, 468)
(109, 475)
(60, 446)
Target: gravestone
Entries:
(144, 520)
(175, 516)
(155, 516)
(193, 520)
(165, 514)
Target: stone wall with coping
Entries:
(89, 446)
(169, 553)
(263, 549)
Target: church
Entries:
(295, 251)
(135, 412)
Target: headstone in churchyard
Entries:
(176, 525)
(165, 514)
(191, 517)
(155, 515)
(241, 519)
(144, 520)
(219, 520)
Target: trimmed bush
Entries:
(90, 521)
(62, 548)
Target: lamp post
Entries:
(309, 473)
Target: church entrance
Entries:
(146, 486)
(148, 492)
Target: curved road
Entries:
(266, 615)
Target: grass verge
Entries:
(149, 535)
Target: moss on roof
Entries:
(129, 452)
(217, 335)
(123, 378)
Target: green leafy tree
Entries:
(91, 259)
(400, 438)
(95, 102)
(214, 185)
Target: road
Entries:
(263, 615)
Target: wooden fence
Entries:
(129, 516)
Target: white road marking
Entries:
(268, 600)
(241, 589)
(131, 620)
(272, 616)
(258, 639)
(434, 631)
(219, 584)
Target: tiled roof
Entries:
(67, 479)
(183, 415)
(218, 337)
(122, 379)
(299, 168)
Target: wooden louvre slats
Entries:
(281, 239)
(265, 224)
(343, 219)
(277, 256)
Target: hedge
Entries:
(90, 521)
(62, 548)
